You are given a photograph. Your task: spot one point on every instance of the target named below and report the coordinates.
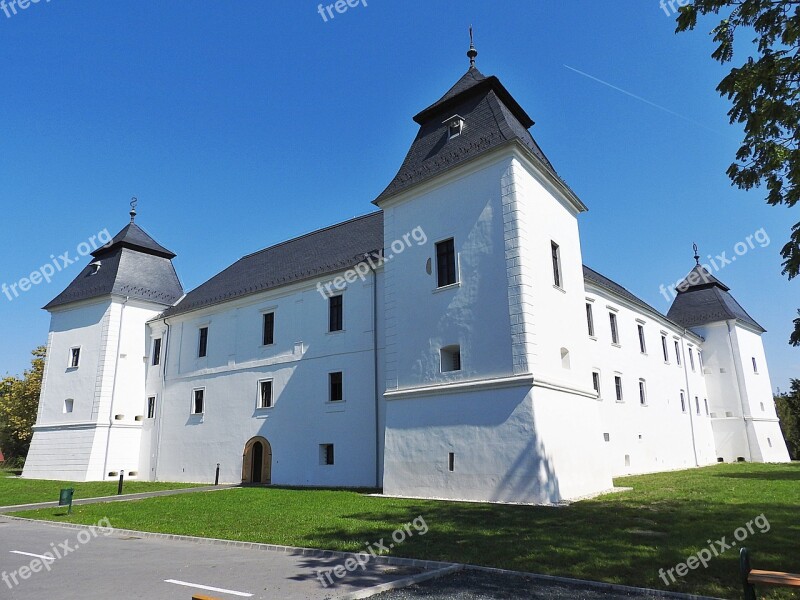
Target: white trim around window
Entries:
(262, 402)
(74, 358)
(202, 400)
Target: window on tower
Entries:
(446, 263)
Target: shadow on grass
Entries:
(788, 474)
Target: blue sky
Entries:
(241, 124)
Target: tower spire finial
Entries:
(134, 202)
(696, 255)
(472, 53)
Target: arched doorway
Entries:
(257, 461)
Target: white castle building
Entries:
(450, 345)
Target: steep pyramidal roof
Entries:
(133, 264)
(491, 118)
(703, 299)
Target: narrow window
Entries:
(762, 407)
(198, 402)
(156, 351)
(268, 327)
(755, 365)
(769, 441)
(451, 462)
(326, 454)
(664, 348)
(705, 401)
(446, 262)
(555, 253)
(335, 313)
(691, 358)
(596, 383)
(697, 404)
(336, 390)
(618, 387)
(614, 331)
(683, 402)
(451, 359)
(69, 405)
(75, 358)
(642, 344)
(202, 349)
(677, 353)
(700, 359)
(151, 407)
(642, 393)
(265, 394)
(590, 319)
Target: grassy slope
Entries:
(26, 491)
(622, 538)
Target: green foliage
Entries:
(19, 401)
(788, 406)
(764, 91)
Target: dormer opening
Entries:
(455, 126)
(94, 267)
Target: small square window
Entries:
(335, 313)
(69, 405)
(75, 358)
(451, 359)
(326, 454)
(268, 332)
(336, 387)
(455, 126)
(151, 407)
(156, 352)
(265, 394)
(606, 437)
(202, 346)
(198, 401)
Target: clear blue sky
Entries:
(241, 124)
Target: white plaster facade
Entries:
(518, 421)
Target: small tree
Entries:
(19, 402)
(788, 406)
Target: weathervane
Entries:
(696, 255)
(134, 202)
(472, 53)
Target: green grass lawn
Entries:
(621, 538)
(14, 490)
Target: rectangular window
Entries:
(555, 253)
(642, 392)
(156, 351)
(202, 349)
(265, 394)
(336, 388)
(691, 358)
(451, 461)
(677, 353)
(755, 365)
(664, 348)
(451, 359)
(596, 383)
(198, 402)
(69, 405)
(705, 401)
(75, 358)
(336, 313)
(590, 319)
(446, 263)
(268, 329)
(642, 344)
(151, 407)
(326, 454)
(618, 387)
(697, 404)
(700, 360)
(614, 331)
(683, 402)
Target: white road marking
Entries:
(208, 588)
(34, 555)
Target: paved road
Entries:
(117, 566)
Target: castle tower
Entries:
(90, 412)
(743, 416)
(488, 397)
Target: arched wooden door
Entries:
(257, 461)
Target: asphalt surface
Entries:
(478, 585)
(121, 566)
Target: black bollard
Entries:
(121, 481)
(216, 479)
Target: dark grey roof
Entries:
(136, 238)
(316, 254)
(126, 272)
(492, 118)
(703, 299)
